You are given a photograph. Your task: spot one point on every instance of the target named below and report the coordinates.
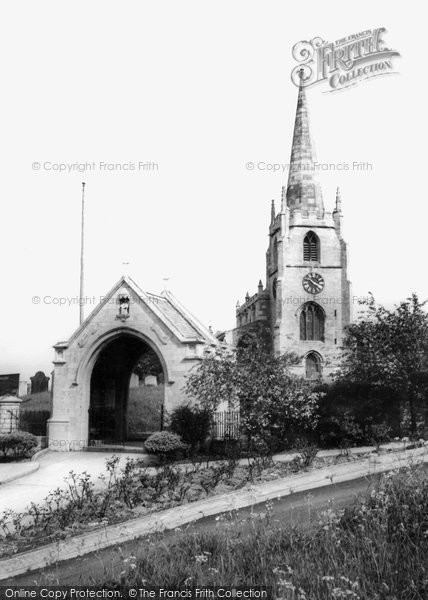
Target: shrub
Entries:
(378, 433)
(34, 421)
(307, 452)
(352, 413)
(17, 444)
(340, 431)
(165, 444)
(192, 424)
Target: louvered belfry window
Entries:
(311, 247)
(312, 322)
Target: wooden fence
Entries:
(226, 424)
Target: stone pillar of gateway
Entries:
(9, 413)
(123, 368)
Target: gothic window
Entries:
(313, 366)
(311, 247)
(312, 322)
(274, 286)
(275, 255)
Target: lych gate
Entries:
(123, 367)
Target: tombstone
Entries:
(150, 380)
(9, 413)
(23, 388)
(39, 383)
(134, 381)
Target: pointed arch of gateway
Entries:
(117, 411)
(90, 356)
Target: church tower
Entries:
(307, 296)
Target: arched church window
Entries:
(311, 247)
(274, 286)
(313, 366)
(253, 312)
(275, 254)
(312, 322)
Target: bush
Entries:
(17, 444)
(34, 421)
(192, 424)
(165, 444)
(352, 413)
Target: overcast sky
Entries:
(199, 88)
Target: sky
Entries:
(195, 90)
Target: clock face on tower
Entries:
(313, 283)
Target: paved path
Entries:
(53, 467)
(11, 471)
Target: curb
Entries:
(39, 453)
(34, 466)
(181, 515)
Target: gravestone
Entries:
(39, 383)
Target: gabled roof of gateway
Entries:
(174, 316)
(166, 307)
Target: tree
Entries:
(273, 403)
(148, 364)
(389, 348)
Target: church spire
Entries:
(303, 190)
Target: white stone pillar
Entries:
(9, 413)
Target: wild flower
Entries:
(201, 558)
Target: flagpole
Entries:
(82, 247)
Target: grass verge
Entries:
(376, 551)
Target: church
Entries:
(305, 305)
(127, 362)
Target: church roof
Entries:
(303, 190)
